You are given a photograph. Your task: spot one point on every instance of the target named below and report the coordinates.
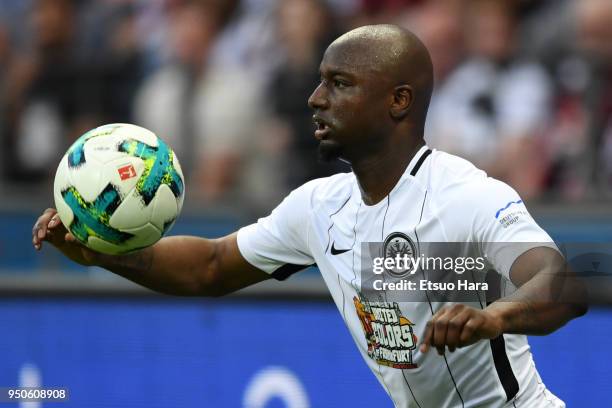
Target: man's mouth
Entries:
(322, 128)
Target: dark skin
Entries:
(373, 99)
(370, 110)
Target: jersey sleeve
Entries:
(505, 228)
(499, 223)
(278, 244)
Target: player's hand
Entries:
(459, 326)
(49, 228)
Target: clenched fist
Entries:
(459, 326)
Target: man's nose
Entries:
(318, 99)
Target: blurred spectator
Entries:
(439, 24)
(5, 51)
(209, 114)
(199, 71)
(595, 42)
(381, 11)
(580, 140)
(115, 52)
(49, 91)
(248, 41)
(293, 82)
(492, 109)
(167, 101)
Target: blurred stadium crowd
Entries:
(523, 88)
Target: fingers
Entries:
(455, 329)
(469, 333)
(432, 327)
(452, 327)
(40, 228)
(440, 327)
(55, 221)
(427, 337)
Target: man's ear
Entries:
(402, 101)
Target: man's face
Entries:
(350, 104)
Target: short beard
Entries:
(329, 151)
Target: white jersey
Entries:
(439, 198)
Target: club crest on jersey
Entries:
(398, 244)
(389, 335)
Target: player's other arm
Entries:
(180, 265)
(549, 295)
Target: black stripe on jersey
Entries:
(287, 270)
(418, 165)
(329, 241)
(424, 277)
(382, 238)
(332, 224)
(410, 388)
(498, 346)
(503, 367)
(353, 247)
(382, 231)
(477, 293)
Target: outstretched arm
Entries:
(548, 297)
(179, 265)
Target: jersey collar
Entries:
(413, 167)
(418, 160)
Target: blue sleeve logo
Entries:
(506, 207)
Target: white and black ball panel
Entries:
(165, 208)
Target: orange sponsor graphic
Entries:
(389, 335)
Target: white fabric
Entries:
(448, 200)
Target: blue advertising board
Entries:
(140, 353)
(117, 352)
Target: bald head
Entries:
(393, 54)
(376, 84)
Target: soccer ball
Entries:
(119, 188)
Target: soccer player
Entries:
(369, 110)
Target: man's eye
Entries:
(340, 84)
